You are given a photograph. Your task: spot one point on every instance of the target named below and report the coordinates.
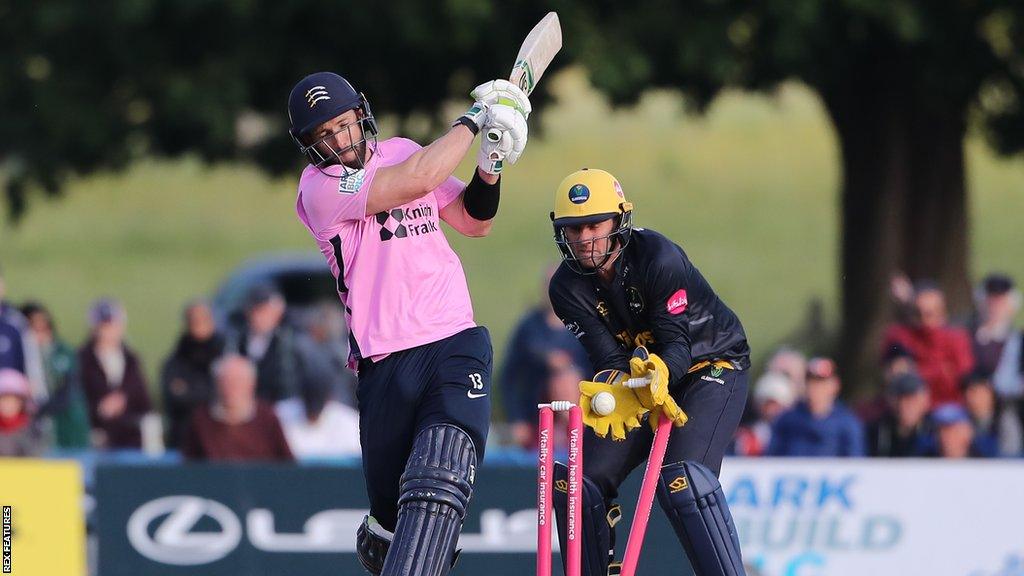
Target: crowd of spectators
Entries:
(269, 389)
(277, 386)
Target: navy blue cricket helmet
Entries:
(318, 98)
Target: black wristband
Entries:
(465, 121)
(480, 198)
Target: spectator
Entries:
(774, 393)
(270, 345)
(955, 432)
(17, 348)
(540, 350)
(12, 349)
(66, 404)
(792, 363)
(186, 381)
(238, 425)
(318, 426)
(112, 378)
(19, 436)
(904, 430)
(820, 425)
(997, 343)
(896, 361)
(997, 431)
(323, 351)
(942, 353)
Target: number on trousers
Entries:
(476, 380)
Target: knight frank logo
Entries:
(405, 222)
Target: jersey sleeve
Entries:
(670, 311)
(448, 191)
(327, 200)
(584, 323)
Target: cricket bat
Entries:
(537, 51)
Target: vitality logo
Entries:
(405, 222)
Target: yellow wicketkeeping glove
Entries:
(627, 411)
(655, 396)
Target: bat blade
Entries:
(538, 50)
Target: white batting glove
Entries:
(506, 131)
(473, 118)
(503, 92)
(492, 154)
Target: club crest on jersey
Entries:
(579, 194)
(677, 302)
(351, 183)
(316, 94)
(575, 329)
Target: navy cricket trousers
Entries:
(444, 382)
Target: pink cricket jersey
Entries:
(401, 283)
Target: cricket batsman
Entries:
(375, 210)
(643, 310)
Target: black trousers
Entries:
(445, 382)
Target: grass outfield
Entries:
(749, 190)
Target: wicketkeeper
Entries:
(643, 310)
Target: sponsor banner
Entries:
(43, 523)
(795, 518)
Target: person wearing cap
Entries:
(820, 425)
(374, 208)
(997, 431)
(641, 309)
(19, 436)
(774, 393)
(113, 380)
(941, 352)
(954, 432)
(903, 430)
(998, 344)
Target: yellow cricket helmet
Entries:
(589, 196)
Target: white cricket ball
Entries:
(603, 404)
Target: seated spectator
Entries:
(942, 353)
(540, 352)
(113, 380)
(896, 362)
(66, 404)
(270, 344)
(997, 431)
(791, 363)
(904, 430)
(185, 380)
(955, 433)
(318, 426)
(819, 425)
(774, 393)
(237, 425)
(323, 352)
(19, 436)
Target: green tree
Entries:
(94, 85)
(902, 81)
